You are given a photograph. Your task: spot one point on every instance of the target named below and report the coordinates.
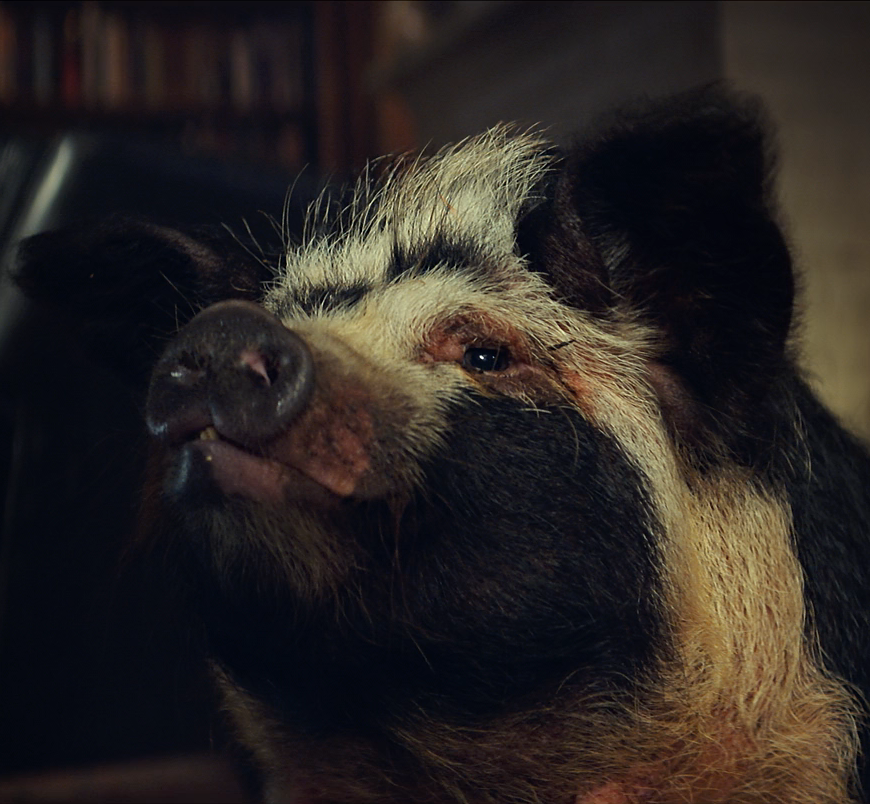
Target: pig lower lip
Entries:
(234, 472)
(237, 472)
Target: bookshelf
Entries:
(237, 80)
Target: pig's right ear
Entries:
(125, 286)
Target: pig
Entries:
(502, 482)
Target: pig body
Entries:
(503, 485)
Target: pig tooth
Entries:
(208, 434)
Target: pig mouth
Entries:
(289, 468)
(237, 471)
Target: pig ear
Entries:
(125, 285)
(673, 205)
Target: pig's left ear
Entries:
(124, 286)
(667, 216)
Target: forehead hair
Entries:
(457, 207)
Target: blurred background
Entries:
(208, 112)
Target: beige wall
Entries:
(556, 64)
(811, 63)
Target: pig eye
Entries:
(482, 359)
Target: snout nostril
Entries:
(187, 370)
(273, 369)
(260, 365)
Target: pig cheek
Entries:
(330, 444)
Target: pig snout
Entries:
(236, 368)
(229, 385)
